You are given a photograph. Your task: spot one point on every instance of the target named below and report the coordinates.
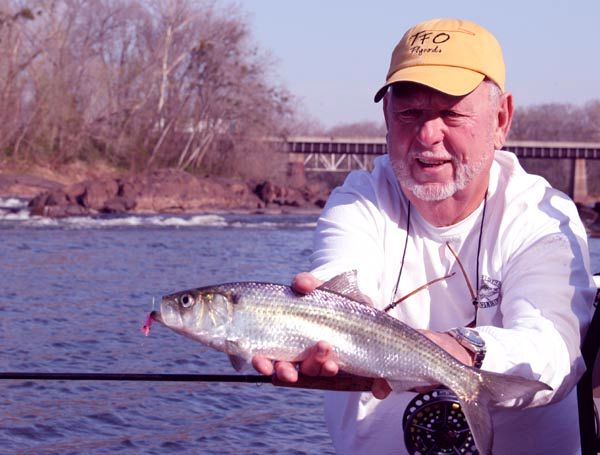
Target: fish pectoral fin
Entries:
(346, 284)
(238, 362)
(237, 356)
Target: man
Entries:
(445, 188)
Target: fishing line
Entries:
(476, 299)
(403, 257)
(474, 295)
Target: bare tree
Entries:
(15, 58)
(164, 83)
(557, 122)
(358, 129)
(213, 85)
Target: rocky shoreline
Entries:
(170, 191)
(160, 191)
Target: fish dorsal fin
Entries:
(346, 284)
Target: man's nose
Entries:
(430, 131)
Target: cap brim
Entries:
(447, 79)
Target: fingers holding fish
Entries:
(305, 283)
(380, 389)
(263, 365)
(320, 361)
(321, 364)
(317, 362)
(319, 358)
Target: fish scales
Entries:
(249, 318)
(274, 321)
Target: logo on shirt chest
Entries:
(489, 292)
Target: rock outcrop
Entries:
(172, 191)
(26, 186)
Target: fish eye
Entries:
(186, 300)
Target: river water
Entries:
(73, 296)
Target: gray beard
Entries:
(464, 174)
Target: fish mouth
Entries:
(168, 316)
(156, 316)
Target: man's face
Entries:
(440, 145)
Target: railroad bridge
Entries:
(573, 167)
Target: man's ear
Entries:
(504, 120)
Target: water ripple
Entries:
(74, 300)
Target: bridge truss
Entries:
(321, 154)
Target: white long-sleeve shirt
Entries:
(535, 293)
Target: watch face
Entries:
(471, 336)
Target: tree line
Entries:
(169, 83)
(138, 83)
(557, 122)
(553, 122)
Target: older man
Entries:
(444, 199)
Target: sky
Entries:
(333, 55)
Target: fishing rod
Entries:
(342, 382)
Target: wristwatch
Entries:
(471, 341)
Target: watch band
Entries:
(471, 341)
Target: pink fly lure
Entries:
(146, 327)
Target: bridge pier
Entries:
(580, 187)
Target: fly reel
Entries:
(435, 424)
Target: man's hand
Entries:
(320, 359)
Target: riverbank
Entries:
(81, 190)
(84, 192)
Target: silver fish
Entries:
(247, 318)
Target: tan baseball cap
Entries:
(449, 55)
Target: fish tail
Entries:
(495, 388)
